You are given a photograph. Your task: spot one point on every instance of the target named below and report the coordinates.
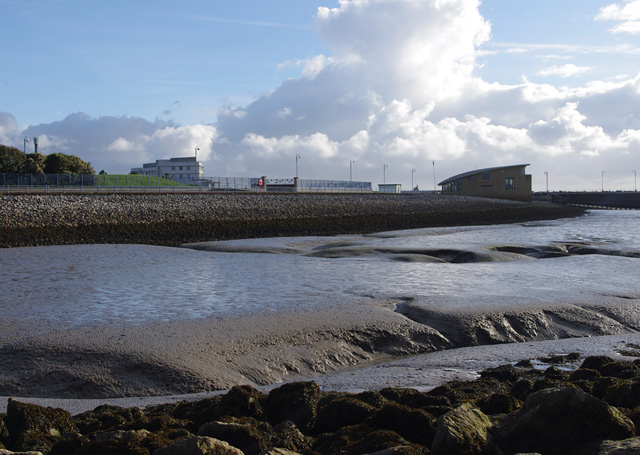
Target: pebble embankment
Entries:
(174, 219)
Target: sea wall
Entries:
(174, 219)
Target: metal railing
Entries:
(133, 183)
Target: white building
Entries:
(185, 170)
(393, 188)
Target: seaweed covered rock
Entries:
(106, 417)
(554, 421)
(246, 434)
(296, 401)
(462, 431)
(200, 445)
(341, 412)
(414, 425)
(134, 442)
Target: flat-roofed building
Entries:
(186, 170)
(503, 182)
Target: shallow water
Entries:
(63, 287)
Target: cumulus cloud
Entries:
(627, 16)
(399, 88)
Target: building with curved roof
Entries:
(503, 182)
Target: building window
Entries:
(173, 168)
(188, 168)
(486, 176)
(180, 167)
(509, 183)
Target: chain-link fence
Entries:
(133, 183)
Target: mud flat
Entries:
(174, 219)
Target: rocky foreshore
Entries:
(174, 219)
(594, 409)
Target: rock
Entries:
(32, 440)
(200, 445)
(462, 431)
(9, 452)
(124, 442)
(106, 418)
(501, 373)
(624, 394)
(30, 417)
(621, 370)
(414, 425)
(243, 401)
(626, 447)
(342, 412)
(296, 401)
(499, 403)
(279, 451)
(595, 362)
(291, 438)
(69, 443)
(554, 421)
(584, 374)
(246, 435)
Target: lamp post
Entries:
(350, 170)
(603, 181)
(547, 176)
(635, 181)
(297, 156)
(412, 172)
(384, 174)
(24, 150)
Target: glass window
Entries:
(509, 183)
(486, 176)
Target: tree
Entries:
(35, 163)
(61, 163)
(11, 160)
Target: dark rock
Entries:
(415, 399)
(342, 412)
(499, 403)
(32, 440)
(291, 438)
(338, 442)
(595, 362)
(414, 425)
(372, 397)
(68, 444)
(553, 372)
(133, 442)
(106, 418)
(555, 421)
(524, 364)
(522, 389)
(584, 374)
(462, 431)
(501, 373)
(200, 445)
(247, 434)
(30, 417)
(192, 410)
(4, 431)
(243, 401)
(380, 440)
(296, 401)
(624, 394)
(621, 370)
(478, 389)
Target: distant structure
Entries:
(186, 170)
(505, 182)
(394, 188)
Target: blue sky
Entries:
(397, 82)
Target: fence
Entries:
(132, 183)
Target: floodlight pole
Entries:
(24, 150)
(412, 172)
(547, 175)
(384, 174)
(350, 170)
(297, 156)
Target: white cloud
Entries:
(564, 71)
(627, 15)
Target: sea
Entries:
(58, 288)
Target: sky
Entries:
(400, 91)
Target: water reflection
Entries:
(87, 285)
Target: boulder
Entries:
(626, 447)
(499, 403)
(414, 425)
(554, 421)
(624, 394)
(119, 441)
(295, 401)
(106, 418)
(279, 451)
(9, 452)
(250, 437)
(30, 417)
(342, 412)
(620, 369)
(501, 373)
(242, 401)
(291, 438)
(200, 445)
(462, 431)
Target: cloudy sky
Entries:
(402, 83)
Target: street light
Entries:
(24, 150)
(547, 175)
(384, 174)
(412, 172)
(297, 156)
(635, 181)
(603, 181)
(350, 172)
